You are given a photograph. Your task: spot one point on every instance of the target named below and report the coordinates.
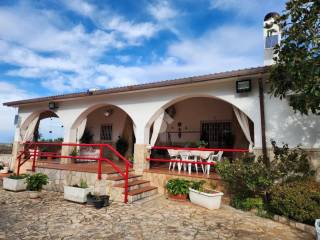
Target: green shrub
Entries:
(83, 184)
(289, 164)
(250, 177)
(299, 200)
(247, 203)
(21, 176)
(252, 203)
(197, 185)
(245, 177)
(178, 186)
(36, 181)
(122, 146)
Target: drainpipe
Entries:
(263, 123)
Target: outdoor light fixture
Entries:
(108, 112)
(53, 105)
(243, 86)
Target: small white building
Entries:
(228, 110)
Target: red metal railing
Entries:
(26, 154)
(192, 149)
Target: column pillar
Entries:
(66, 150)
(141, 151)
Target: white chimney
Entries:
(271, 36)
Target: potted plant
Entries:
(4, 169)
(74, 153)
(97, 201)
(77, 193)
(15, 182)
(178, 189)
(207, 198)
(202, 144)
(35, 184)
(122, 145)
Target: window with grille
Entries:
(106, 132)
(217, 134)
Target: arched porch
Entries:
(194, 122)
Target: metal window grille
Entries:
(216, 133)
(106, 132)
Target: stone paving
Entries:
(53, 218)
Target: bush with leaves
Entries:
(122, 145)
(178, 186)
(245, 177)
(250, 178)
(297, 69)
(289, 164)
(299, 200)
(36, 181)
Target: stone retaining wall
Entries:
(294, 224)
(59, 178)
(160, 179)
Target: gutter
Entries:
(263, 123)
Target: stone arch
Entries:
(175, 100)
(122, 124)
(94, 107)
(42, 114)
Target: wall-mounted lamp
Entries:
(243, 86)
(108, 112)
(53, 105)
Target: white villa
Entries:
(228, 110)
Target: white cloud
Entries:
(221, 49)
(248, 8)
(9, 92)
(107, 19)
(162, 10)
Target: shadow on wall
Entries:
(293, 128)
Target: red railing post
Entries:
(126, 184)
(34, 158)
(100, 163)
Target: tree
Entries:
(296, 74)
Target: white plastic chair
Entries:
(174, 155)
(213, 158)
(197, 156)
(185, 156)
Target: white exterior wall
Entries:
(143, 107)
(283, 125)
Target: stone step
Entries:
(117, 174)
(120, 179)
(136, 184)
(142, 193)
(148, 199)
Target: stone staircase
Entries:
(112, 183)
(138, 188)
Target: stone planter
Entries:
(207, 200)
(76, 194)
(14, 184)
(34, 194)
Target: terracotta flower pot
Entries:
(178, 197)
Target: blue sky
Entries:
(60, 46)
